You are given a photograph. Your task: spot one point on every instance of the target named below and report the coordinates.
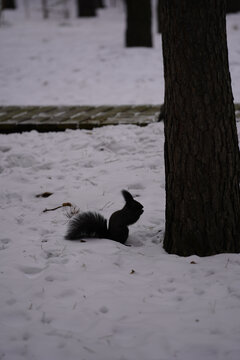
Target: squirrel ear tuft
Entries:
(127, 196)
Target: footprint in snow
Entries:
(5, 148)
(31, 271)
(4, 243)
(11, 301)
(104, 310)
(51, 278)
(66, 293)
(55, 256)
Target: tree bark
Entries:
(233, 6)
(139, 22)
(86, 8)
(201, 142)
(159, 16)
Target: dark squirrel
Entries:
(94, 225)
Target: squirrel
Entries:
(94, 225)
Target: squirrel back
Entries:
(91, 224)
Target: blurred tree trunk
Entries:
(233, 6)
(87, 8)
(201, 142)
(45, 9)
(8, 4)
(26, 8)
(66, 13)
(100, 4)
(159, 16)
(1, 13)
(139, 22)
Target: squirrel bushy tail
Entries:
(92, 224)
(87, 224)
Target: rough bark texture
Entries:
(139, 22)
(201, 143)
(86, 8)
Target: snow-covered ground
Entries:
(98, 300)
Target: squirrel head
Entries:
(133, 209)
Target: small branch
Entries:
(58, 207)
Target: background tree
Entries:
(201, 143)
(139, 22)
(8, 4)
(26, 8)
(1, 12)
(100, 4)
(48, 7)
(86, 8)
(45, 9)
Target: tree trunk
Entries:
(139, 20)
(100, 4)
(26, 8)
(1, 13)
(159, 16)
(233, 6)
(45, 9)
(201, 143)
(86, 8)
(8, 4)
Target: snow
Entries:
(84, 61)
(98, 299)
(76, 61)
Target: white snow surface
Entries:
(98, 300)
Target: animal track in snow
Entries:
(26, 336)
(104, 310)
(5, 149)
(210, 272)
(66, 293)
(11, 301)
(45, 319)
(234, 292)
(51, 278)
(31, 271)
(55, 256)
(4, 243)
(199, 291)
(171, 280)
